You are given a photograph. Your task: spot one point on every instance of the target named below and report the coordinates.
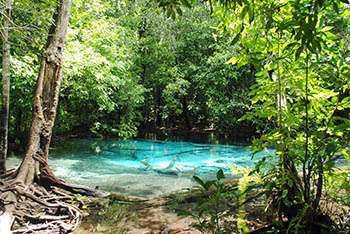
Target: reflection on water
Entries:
(143, 167)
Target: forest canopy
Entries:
(131, 69)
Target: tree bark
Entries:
(34, 165)
(5, 86)
(46, 97)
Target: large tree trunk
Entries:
(46, 97)
(5, 86)
(29, 190)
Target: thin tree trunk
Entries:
(5, 87)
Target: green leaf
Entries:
(199, 181)
(208, 184)
(251, 14)
(220, 175)
(184, 213)
(196, 214)
(331, 148)
(173, 15)
(179, 11)
(244, 12)
(236, 39)
(284, 193)
(186, 3)
(168, 13)
(205, 185)
(346, 102)
(335, 6)
(232, 60)
(290, 46)
(327, 28)
(330, 36)
(299, 50)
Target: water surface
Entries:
(144, 167)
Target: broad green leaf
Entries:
(168, 12)
(232, 60)
(251, 13)
(208, 184)
(186, 3)
(327, 28)
(173, 15)
(330, 36)
(179, 11)
(290, 46)
(284, 193)
(236, 39)
(331, 148)
(244, 12)
(220, 175)
(298, 52)
(199, 181)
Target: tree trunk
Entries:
(5, 87)
(46, 97)
(32, 184)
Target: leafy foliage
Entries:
(127, 67)
(297, 53)
(290, 45)
(209, 214)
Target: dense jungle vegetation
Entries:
(128, 68)
(276, 69)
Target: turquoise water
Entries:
(144, 167)
(110, 156)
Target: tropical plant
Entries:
(298, 56)
(209, 213)
(293, 50)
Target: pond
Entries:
(144, 168)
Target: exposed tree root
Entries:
(48, 178)
(32, 208)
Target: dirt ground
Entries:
(150, 217)
(158, 215)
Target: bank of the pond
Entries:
(242, 136)
(125, 215)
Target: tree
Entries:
(97, 73)
(181, 63)
(30, 23)
(153, 83)
(26, 187)
(302, 83)
(289, 45)
(5, 85)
